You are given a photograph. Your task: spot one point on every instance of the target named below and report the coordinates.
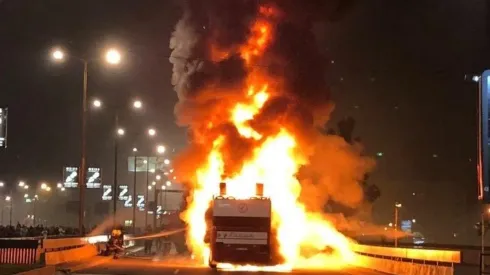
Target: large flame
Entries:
(275, 161)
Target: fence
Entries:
(19, 251)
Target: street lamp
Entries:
(135, 149)
(58, 54)
(160, 149)
(112, 57)
(152, 132)
(168, 183)
(158, 177)
(137, 104)
(2, 184)
(120, 132)
(9, 199)
(44, 186)
(397, 207)
(166, 161)
(26, 187)
(97, 103)
(21, 184)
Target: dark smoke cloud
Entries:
(208, 83)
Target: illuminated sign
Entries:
(70, 177)
(94, 177)
(107, 193)
(3, 127)
(123, 192)
(483, 165)
(141, 202)
(128, 203)
(150, 164)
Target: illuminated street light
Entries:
(97, 103)
(168, 183)
(414, 221)
(135, 149)
(152, 132)
(154, 183)
(120, 131)
(158, 177)
(149, 187)
(160, 149)
(390, 224)
(26, 186)
(2, 184)
(44, 186)
(21, 184)
(59, 185)
(113, 57)
(8, 198)
(26, 195)
(36, 196)
(58, 55)
(137, 104)
(398, 205)
(63, 189)
(145, 161)
(164, 187)
(166, 161)
(48, 189)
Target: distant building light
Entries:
(379, 154)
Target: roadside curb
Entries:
(47, 270)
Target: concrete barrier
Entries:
(47, 270)
(407, 261)
(71, 255)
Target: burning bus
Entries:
(240, 230)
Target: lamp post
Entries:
(9, 199)
(112, 57)
(119, 132)
(397, 207)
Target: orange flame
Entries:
(302, 236)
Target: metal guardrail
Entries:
(429, 255)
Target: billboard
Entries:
(70, 177)
(93, 177)
(123, 192)
(140, 202)
(107, 193)
(144, 164)
(483, 165)
(406, 226)
(3, 127)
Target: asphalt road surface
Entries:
(148, 266)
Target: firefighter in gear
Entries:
(116, 242)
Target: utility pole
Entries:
(134, 196)
(397, 206)
(116, 149)
(81, 179)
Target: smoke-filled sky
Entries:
(397, 68)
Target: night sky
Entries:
(397, 67)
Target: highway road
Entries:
(148, 266)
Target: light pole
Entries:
(397, 206)
(137, 104)
(9, 199)
(112, 57)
